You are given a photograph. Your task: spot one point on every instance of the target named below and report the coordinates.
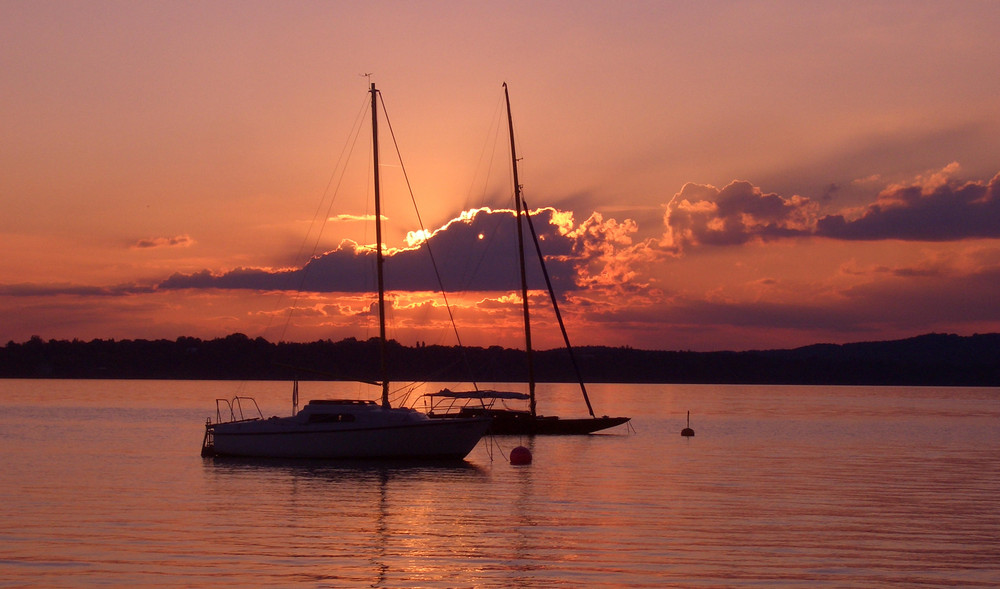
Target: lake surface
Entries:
(102, 484)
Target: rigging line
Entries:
(492, 135)
(496, 228)
(482, 256)
(346, 150)
(555, 307)
(430, 253)
(497, 115)
(356, 130)
(494, 132)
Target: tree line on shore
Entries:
(932, 359)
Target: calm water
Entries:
(102, 484)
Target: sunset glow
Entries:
(702, 176)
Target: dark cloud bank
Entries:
(944, 213)
(940, 209)
(473, 254)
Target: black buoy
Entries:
(688, 432)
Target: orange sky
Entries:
(720, 175)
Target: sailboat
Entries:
(344, 428)
(493, 404)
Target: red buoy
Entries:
(520, 455)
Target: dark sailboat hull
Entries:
(522, 423)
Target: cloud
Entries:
(156, 242)
(344, 218)
(240, 278)
(705, 215)
(474, 252)
(934, 208)
(56, 289)
(608, 257)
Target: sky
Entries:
(702, 175)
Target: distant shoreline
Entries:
(926, 360)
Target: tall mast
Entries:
(378, 257)
(520, 250)
(555, 308)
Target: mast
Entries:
(379, 261)
(555, 308)
(520, 250)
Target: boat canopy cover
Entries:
(478, 394)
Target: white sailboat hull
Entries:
(345, 431)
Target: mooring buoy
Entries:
(520, 455)
(688, 432)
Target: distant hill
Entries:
(932, 359)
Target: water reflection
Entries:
(523, 521)
(378, 560)
(321, 468)
(356, 522)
